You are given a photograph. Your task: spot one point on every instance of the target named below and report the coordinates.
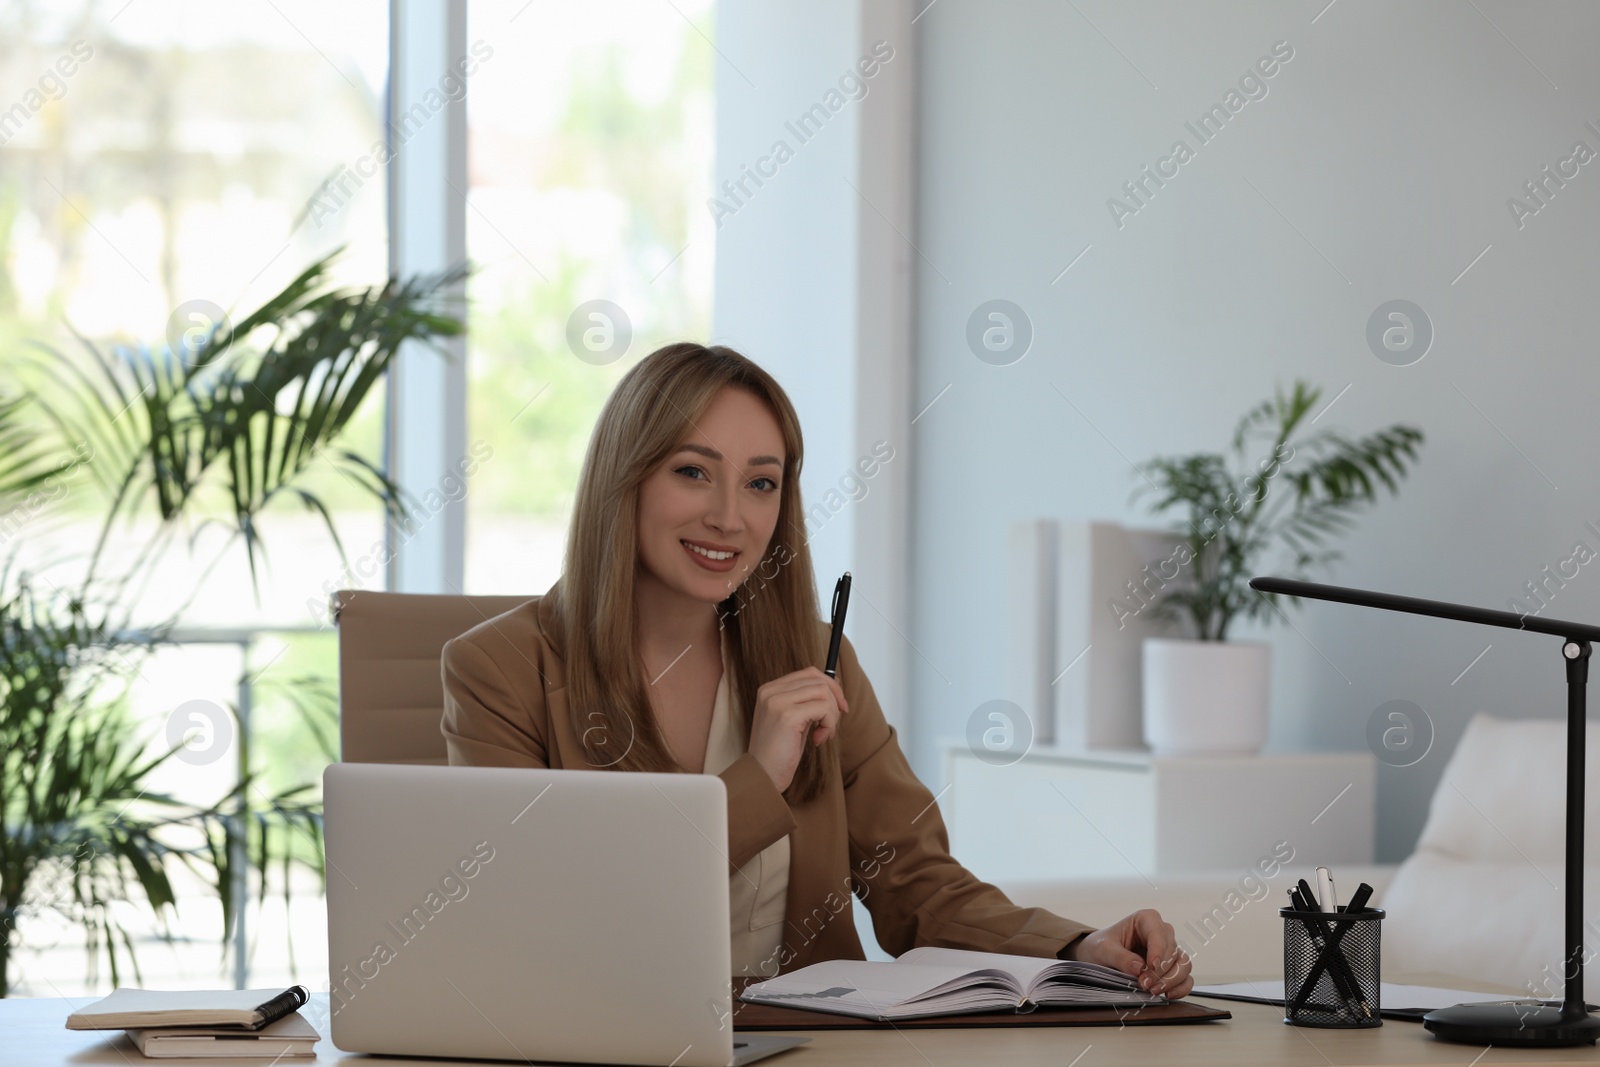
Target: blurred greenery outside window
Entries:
(156, 161)
(162, 176)
(589, 163)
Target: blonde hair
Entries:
(773, 617)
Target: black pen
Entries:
(1331, 958)
(841, 600)
(1300, 899)
(1327, 941)
(1358, 903)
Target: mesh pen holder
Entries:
(1330, 967)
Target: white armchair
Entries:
(1482, 895)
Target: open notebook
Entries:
(946, 981)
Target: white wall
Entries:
(1387, 147)
(814, 280)
(785, 274)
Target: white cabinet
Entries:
(1058, 814)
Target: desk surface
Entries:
(33, 1032)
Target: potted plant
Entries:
(1289, 487)
(227, 426)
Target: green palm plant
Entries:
(1289, 487)
(83, 829)
(221, 432)
(251, 416)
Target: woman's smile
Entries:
(710, 555)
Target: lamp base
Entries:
(1528, 1023)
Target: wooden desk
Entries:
(33, 1032)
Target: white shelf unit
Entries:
(1061, 815)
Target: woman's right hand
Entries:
(801, 706)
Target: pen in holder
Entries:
(1330, 967)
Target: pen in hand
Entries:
(841, 601)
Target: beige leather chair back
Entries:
(390, 694)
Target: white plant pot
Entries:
(1205, 697)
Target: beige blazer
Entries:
(875, 833)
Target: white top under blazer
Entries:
(758, 891)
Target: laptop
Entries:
(498, 913)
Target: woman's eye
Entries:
(771, 482)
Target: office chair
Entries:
(390, 694)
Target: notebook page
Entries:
(1045, 979)
(1026, 969)
(881, 983)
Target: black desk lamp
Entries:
(1528, 1022)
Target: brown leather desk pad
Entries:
(748, 1016)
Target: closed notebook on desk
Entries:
(952, 987)
(290, 1036)
(243, 1009)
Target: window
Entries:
(156, 158)
(590, 160)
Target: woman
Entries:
(685, 635)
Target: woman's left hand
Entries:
(1141, 945)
